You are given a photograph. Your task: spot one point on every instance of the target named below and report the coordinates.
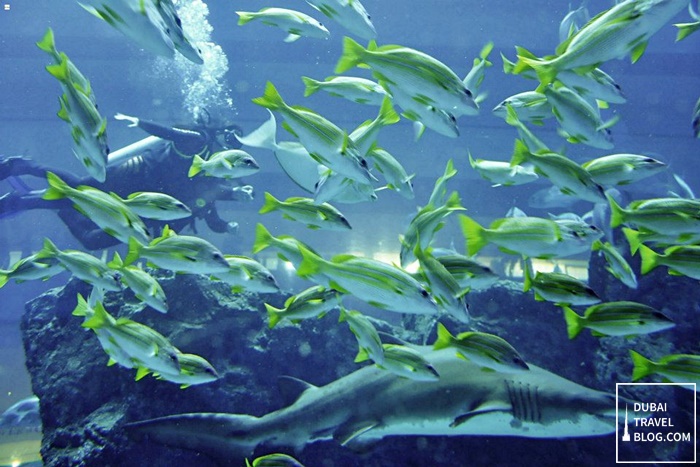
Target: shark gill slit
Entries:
(524, 400)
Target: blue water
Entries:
(661, 90)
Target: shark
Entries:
(363, 407)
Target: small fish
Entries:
(424, 116)
(418, 74)
(107, 211)
(313, 302)
(469, 274)
(140, 20)
(484, 349)
(179, 253)
(670, 216)
(79, 109)
(622, 169)
(616, 264)
(175, 31)
(233, 163)
(367, 337)
(476, 75)
(351, 15)
(288, 246)
(558, 288)
(157, 206)
(680, 260)
(246, 274)
(145, 287)
(394, 174)
(449, 296)
(379, 284)
(621, 30)
(365, 135)
(578, 119)
(567, 175)
(596, 87)
(31, 268)
(424, 225)
(503, 173)
(194, 370)
(617, 319)
(528, 236)
(359, 90)
(293, 22)
(304, 210)
(117, 355)
(324, 141)
(82, 265)
(676, 368)
(529, 106)
(292, 156)
(145, 347)
(406, 362)
(333, 186)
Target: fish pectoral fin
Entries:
(291, 388)
(482, 409)
(348, 433)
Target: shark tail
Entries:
(642, 366)
(650, 259)
(224, 437)
(473, 234)
(574, 323)
(352, 55)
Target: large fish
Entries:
(371, 403)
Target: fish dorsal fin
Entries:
(292, 388)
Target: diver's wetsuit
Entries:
(161, 169)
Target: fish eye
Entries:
(452, 118)
(178, 21)
(424, 293)
(363, 163)
(173, 357)
(218, 256)
(467, 92)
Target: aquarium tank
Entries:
(343, 232)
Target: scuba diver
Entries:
(158, 163)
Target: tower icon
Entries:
(626, 434)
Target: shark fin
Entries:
(291, 388)
(482, 409)
(348, 433)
